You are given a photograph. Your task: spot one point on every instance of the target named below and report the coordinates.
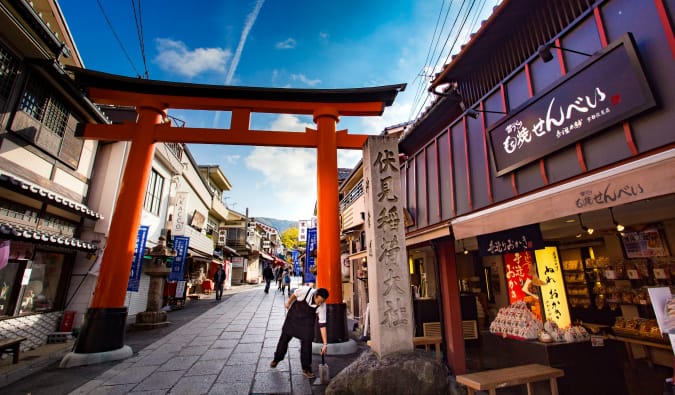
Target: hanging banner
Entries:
(553, 294)
(519, 239)
(180, 244)
(295, 254)
(520, 275)
(309, 259)
(137, 263)
(180, 214)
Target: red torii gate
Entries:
(104, 325)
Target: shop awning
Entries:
(22, 233)
(26, 188)
(266, 256)
(196, 254)
(231, 250)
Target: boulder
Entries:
(400, 373)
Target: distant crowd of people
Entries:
(281, 275)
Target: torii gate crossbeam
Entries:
(152, 99)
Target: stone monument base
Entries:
(400, 373)
(73, 359)
(151, 320)
(341, 348)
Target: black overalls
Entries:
(299, 323)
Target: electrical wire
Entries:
(112, 29)
(422, 73)
(473, 26)
(436, 64)
(138, 18)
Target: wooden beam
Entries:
(120, 98)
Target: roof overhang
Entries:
(26, 188)
(22, 233)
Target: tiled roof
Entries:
(17, 232)
(11, 182)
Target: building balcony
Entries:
(352, 213)
(218, 209)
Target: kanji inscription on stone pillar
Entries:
(391, 321)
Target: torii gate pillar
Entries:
(105, 321)
(328, 212)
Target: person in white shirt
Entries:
(304, 306)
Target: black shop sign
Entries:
(608, 88)
(524, 238)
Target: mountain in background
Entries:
(279, 224)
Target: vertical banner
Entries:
(180, 214)
(180, 244)
(389, 292)
(295, 254)
(137, 264)
(520, 274)
(228, 275)
(553, 291)
(309, 259)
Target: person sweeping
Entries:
(304, 306)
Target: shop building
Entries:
(46, 220)
(555, 115)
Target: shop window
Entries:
(153, 194)
(28, 286)
(40, 291)
(8, 286)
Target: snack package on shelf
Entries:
(516, 321)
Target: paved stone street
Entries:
(224, 350)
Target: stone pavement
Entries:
(224, 350)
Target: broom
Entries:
(324, 372)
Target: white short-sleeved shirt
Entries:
(300, 294)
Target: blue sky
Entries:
(275, 43)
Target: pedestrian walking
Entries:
(279, 277)
(286, 282)
(268, 275)
(219, 278)
(304, 306)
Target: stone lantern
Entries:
(157, 269)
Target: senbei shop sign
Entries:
(609, 88)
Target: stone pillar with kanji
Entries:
(391, 321)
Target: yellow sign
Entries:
(553, 294)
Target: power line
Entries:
(473, 26)
(422, 76)
(112, 29)
(435, 64)
(139, 31)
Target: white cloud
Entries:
(250, 21)
(290, 123)
(348, 158)
(305, 80)
(324, 35)
(393, 115)
(231, 159)
(288, 43)
(288, 174)
(175, 57)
